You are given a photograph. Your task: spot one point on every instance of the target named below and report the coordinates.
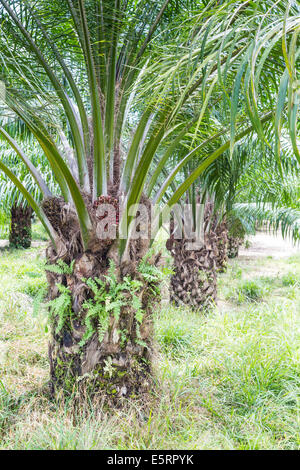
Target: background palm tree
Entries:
(106, 92)
(12, 201)
(241, 191)
(254, 189)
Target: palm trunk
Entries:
(221, 232)
(218, 234)
(194, 280)
(101, 316)
(236, 236)
(234, 244)
(20, 229)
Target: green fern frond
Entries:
(38, 300)
(149, 272)
(115, 306)
(61, 267)
(61, 307)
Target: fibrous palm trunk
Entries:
(101, 313)
(234, 244)
(20, 229)
(219, 234)
(194, 280)
(236, 236)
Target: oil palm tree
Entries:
(270, 198)
(105, 90)
(18, 213)
(222, 181)
(12, 201)
(252, 188)
(240, 191)
(194, 279)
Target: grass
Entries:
(4, 225)
(229, 379)
(247, 291)
(38, 231)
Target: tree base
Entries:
(100, 309)
(96, 371)
(102, 330)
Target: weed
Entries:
(290, 279)
(248, 291)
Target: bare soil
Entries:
(265, 244)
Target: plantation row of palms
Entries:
(241, 194)
(136, 102)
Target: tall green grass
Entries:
(226, 379)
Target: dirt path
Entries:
(264, 244)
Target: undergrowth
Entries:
(229, 379)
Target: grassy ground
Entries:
(229, 379)
(38, 231)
